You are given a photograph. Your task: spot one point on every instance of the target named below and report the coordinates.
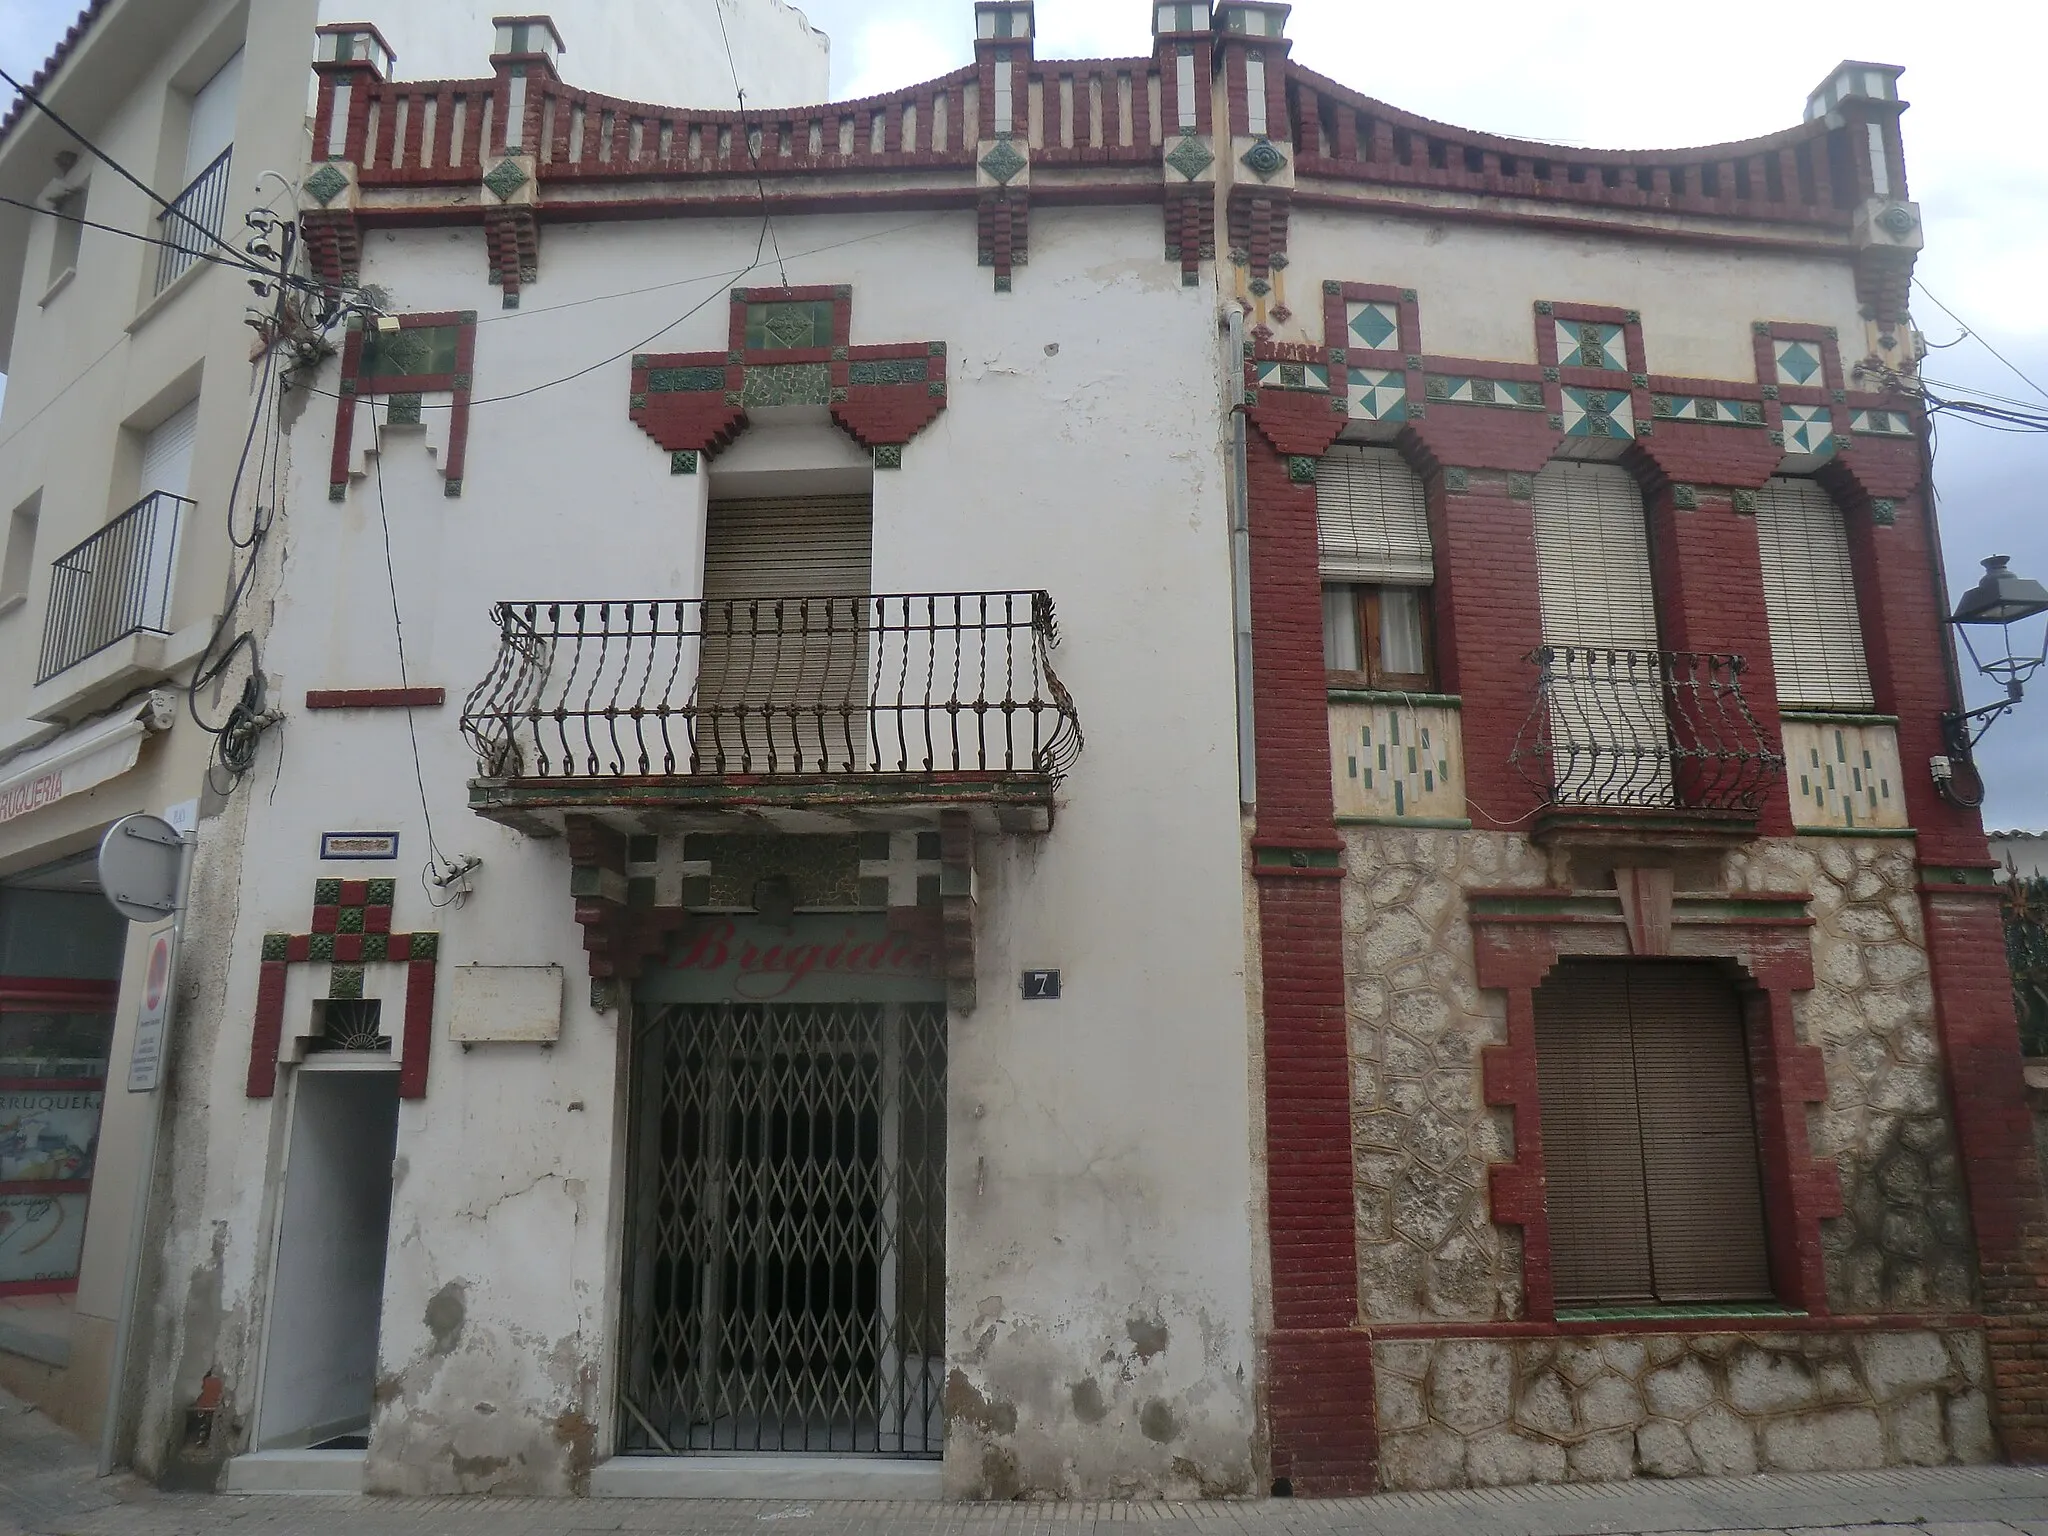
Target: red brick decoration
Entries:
(1994, 1133)
(351, 928)
(458, 381)
(1519, 937)
(376, 698)
(695, 403)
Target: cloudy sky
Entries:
(1653, 78)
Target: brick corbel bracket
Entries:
(353, 58)
(511, 182)
(351, 928)
(695, 404)
(1519, 937)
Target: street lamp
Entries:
(2001, 601)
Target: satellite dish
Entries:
(138, 867)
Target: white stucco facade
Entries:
(1099, 1263)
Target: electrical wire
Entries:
(1973, 331)
(242, 265)
(753, 155)
(440, 872)
(116, 166)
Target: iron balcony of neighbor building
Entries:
(1633, 746)
(116, 584)
(803, 712)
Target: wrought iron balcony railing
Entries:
(116, 584)
(1644, 729)
(930, 685)
(204, 204)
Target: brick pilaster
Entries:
(1317, 1364)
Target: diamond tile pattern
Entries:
(1293, 376)
(326, 184)
(1808, 428)
(1378, 396)
(1502, 392)
(1004, 162)
(505, 178)
(1377, 326)
(1190, 157)
(1798, 362)
(1590, 344)
(1882, 423)
(1598, 413)
(1700, 408)
(788, 1245)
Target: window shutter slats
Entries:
(1652, 1178)
(167, 453)
(1373, 518)
(1700, 1165)
(1593, 572)
(1593, 558)
(777, 649)
(1599, 1225)
(804, 547)
(1810, 594)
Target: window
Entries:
(1653, 1183)
(167, 453)
(200, 210)
(20, 560)
(783, 674)
(1810, 594)
(69, 236)
(1608, 726)
(1378, 635)
(1377, 565)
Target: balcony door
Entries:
(783, 672)
(1610, 740)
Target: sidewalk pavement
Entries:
(47, 1488)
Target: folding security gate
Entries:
(786, 1242)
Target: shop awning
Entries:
(82, 758)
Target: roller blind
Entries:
(811, 546)
(1608, 723)
(1592, 1151)
(1652, 1179)
(1372, 518)
(1593, 558)
(1810, 593)
(783, 676)
(212, 125)
(167, 453)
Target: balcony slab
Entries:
(1020, 804)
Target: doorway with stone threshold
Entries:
(785, 1237)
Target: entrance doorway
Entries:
(320, 1369)
(786, 1239)
(1652, 1177)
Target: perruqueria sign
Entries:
(833, 957)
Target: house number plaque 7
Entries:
(1041, 986)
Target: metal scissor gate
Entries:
(785, 1248)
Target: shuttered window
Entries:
(1653, 1182)
(783, 678)
(1608, 724)
(1372, 518)
(1810, 592)
(1593, 558)
(211, 129)
(167, 453)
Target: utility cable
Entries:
(1979, 335)
(440, 871)
(242, 264)
(118, 168)
(747, 130)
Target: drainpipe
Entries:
(1240, 557)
